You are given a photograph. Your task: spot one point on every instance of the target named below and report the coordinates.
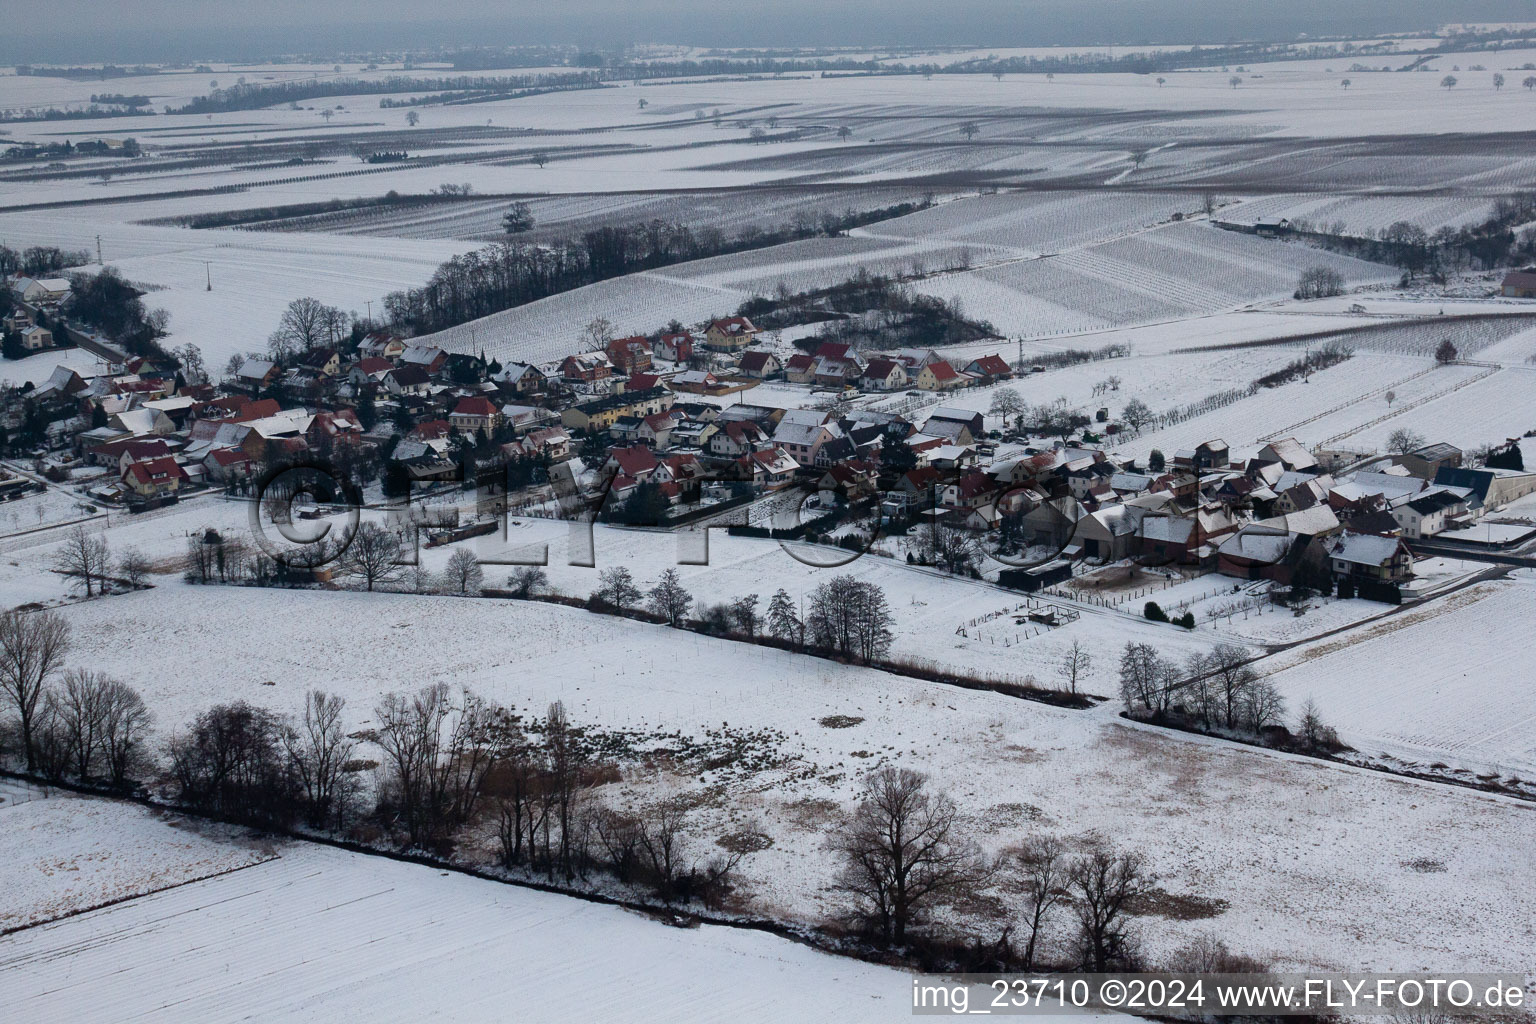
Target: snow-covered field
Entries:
(1208, 813)
(66, 854)
(1438, 683)
(316, 934)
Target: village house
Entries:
(732, 334)
(674, 348)
(1370, 557)
(36, 339)
(475, 415)
(1519, 284)
(429, 357)
(1208, 455)
(43, 291)
(407, 380)
(801, 368)
(1289, 453)
(552, 442)
(761, 365)
(939, 376)
(1431, 513)
(1491, 488)
(629, 355)
(769, 470)
(324, 361)
(257, 374)
(737, 438)
(989, 369)
(957, 426)
(520, 378)
(600, 413)
(885, 375)
(696, 382)
(586, 367)
(369, 370)
(381, 345)
(801, 433)
(154, 478)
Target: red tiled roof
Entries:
(474, 406)
(942, 370)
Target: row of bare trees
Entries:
(86, 560)
(85, 724)
(904, 854)
(1218, 689)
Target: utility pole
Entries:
(98, 249)
(370, 311)
(208, 272)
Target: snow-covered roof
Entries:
(1364, 548)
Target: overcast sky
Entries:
(154, 29)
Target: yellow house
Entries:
(939, 376)
(731, 334)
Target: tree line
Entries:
(505, 275)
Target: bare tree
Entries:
(669, 599)
(463, 574)
(125, 724)
(84, 558)
(412, 118)
(902, 852)
(1390, 396)
(305, 324)
(969, 130)
(1005, 403)
(1229, 677)
(80, 704)
(134, 567)
(374, 555)
(1075, 664)
(32, 649)
(616, 587)
(1105, 886)
(437, 752)
(1137, 414)
(745, 615)
(1402, 441)
(844, 132)
(1234, 81)
(527, 581)
(1043, 866)
(1448, 82)
(319, 750)
(1263, 706)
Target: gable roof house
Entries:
(675, 348)
(381, 345)
(324, 361)
(885, 375)
(761, 365)
(801, 368)
(1290, 453)
(600, 413)
(989, 368)
(1371, 557)
(939, 376)
(429, 357)
(730, 334)
(257, 374)
(407, 380)
(521, 378)
(801, 433)
(1519, 284)
(154, 477)
(142, 422)
(369, 370)
(475, 415)
(768, 470)
(41, 291)
(35, 339)
(736, 438)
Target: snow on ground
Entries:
(39, 367)
(65, 854)
(1436, 683)
(317, 934)
(1485, 411)
(1324, 882)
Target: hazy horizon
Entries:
(158, 30)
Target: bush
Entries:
(1188, 620)
(1155, 613)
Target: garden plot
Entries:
(65, 854)
(1442, 683)
(323, 935)
(1484, 410)
(1286, 894)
